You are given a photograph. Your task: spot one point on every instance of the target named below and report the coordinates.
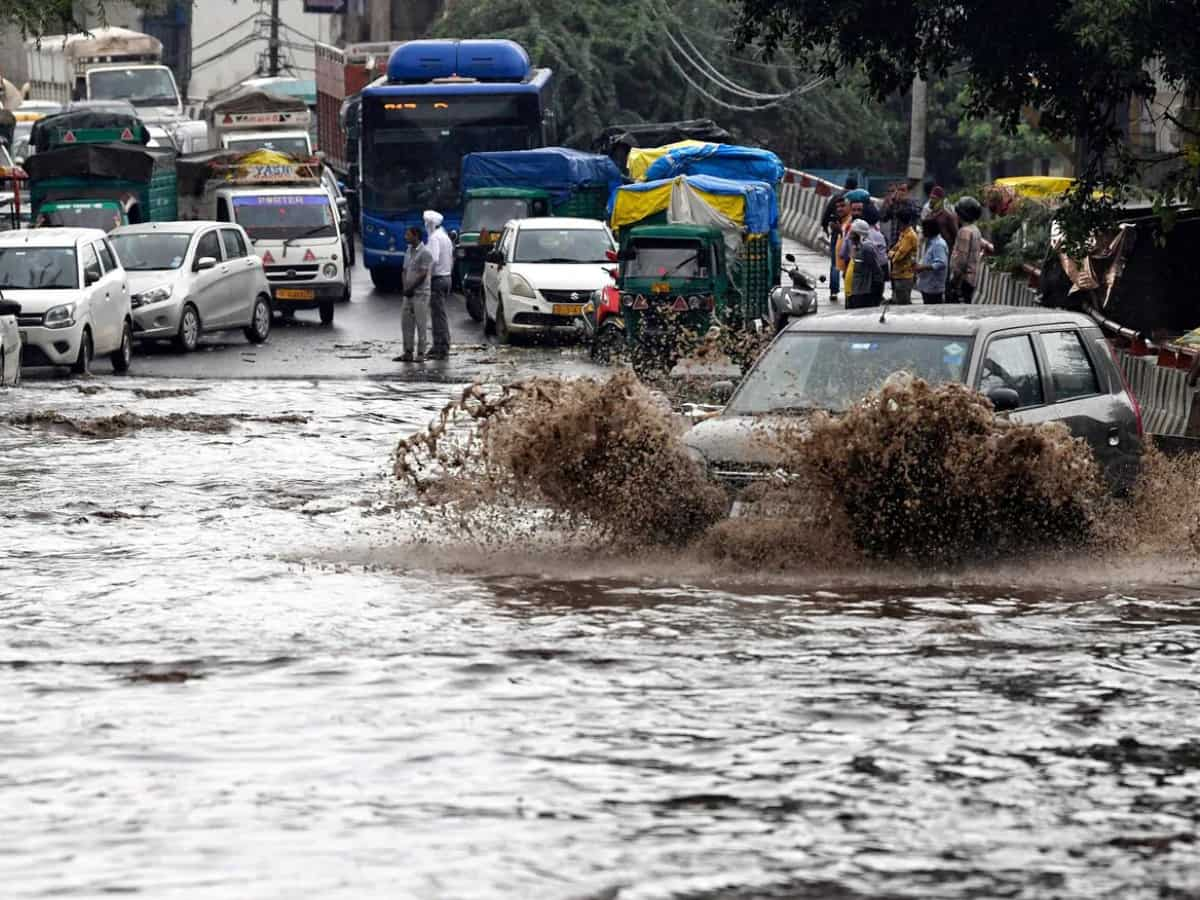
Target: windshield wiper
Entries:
(305, 234)
(553, 259)
(690, 259)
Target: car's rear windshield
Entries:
(562, 245)
(92, 215)
(493, 213)
(285, 215)
(668, 259)
(151, 252)
(38, 268)
(812, 370)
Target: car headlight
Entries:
(329, 270)
(154, 295)
(60, 316)
(522, 288)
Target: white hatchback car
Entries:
(10, 342)
(74, 297)
(191, 277)
(542, 272)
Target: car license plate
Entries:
(568, 309)
(290, 294)
(660, 287)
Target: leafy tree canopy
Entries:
(39, 17)
(1077, 63)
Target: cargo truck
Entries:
(522, 184)
(289, 215)
(94, 170)
(105, 64)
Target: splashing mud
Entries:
(125, 422)
(914, 473)
(601, 452)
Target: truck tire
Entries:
(326, 312)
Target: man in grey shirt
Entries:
(414, 307)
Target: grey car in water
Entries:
(1036, 365)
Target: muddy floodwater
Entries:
(229, 668)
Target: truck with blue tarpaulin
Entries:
(695, 251)
(519, 184)
(441, 100)
(93, 169)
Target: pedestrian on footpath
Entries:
(879, 244)
(442, 250)
(903, 257)
(414, 306)
(931, 270)
(833, 222)
(968, 252)
(867, 282)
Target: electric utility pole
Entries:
(273, 41)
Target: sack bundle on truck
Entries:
(696, 251)
(92, 169)
(617, 141)
(289, 215)
(520, 184)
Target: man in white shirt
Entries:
(442, 250)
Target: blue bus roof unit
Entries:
(418, 62)
(558, 170)
(721, 160)
(762, 207)
(535, 84)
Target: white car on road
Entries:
(542, 272)
(187, 278)
(10, 342)
(74, 297)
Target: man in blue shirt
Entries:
(931, 270)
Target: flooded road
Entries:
(230, 668)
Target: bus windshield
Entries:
(412, 156)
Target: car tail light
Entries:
(1137, 407)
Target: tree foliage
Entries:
(38, 17)
(613, 64)
(1076, 62)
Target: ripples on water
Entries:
(219, 678)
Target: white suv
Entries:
(542, 272)
(192, 277)
(74, 297)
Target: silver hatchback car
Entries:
(1037, 365)
(187, 278)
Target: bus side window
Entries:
(223, 210)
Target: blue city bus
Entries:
(441, 100)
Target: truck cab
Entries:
(297, 232)
(485, 212)
(150, 88)
(673, 283)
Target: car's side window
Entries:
(106, 255)
(1011, 363)
(235, 247)
(1071, 371)
(208, 245)
(91, 264)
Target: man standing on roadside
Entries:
(833, 221)
(414, 308)
(442, 251)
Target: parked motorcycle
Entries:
(798, 299)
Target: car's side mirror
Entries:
(10, 308)
(721, 391)
(90, 277)
(1004, 399)
(496, 256)
(790, 258)
(205, 262)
